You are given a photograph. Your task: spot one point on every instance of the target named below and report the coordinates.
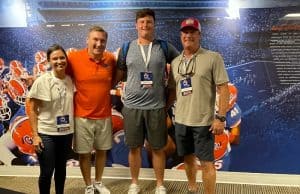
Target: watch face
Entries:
(221, 118)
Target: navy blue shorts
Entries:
(195, 140)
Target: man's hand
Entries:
(217, 127)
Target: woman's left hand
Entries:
(38, 144)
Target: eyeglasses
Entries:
(186, 66)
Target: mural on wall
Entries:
(261, 54)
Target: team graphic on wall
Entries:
(261, 54)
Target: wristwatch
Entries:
(220, 118)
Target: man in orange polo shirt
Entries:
(92, 70)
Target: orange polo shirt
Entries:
(93, 82)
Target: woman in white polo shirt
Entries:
(51, 119)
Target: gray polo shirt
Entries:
(136, 96)
(197, 108)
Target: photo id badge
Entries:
(186, 86)
(63, 123)
(146, 79)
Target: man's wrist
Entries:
(220, 118)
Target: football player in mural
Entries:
(18, 81)
(7, 110)
(17, 84)
(16, 142)
(14, 88)
(231, 134)
(41, 65)
(17, 70)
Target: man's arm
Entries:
(223, 98)
(119, 76)
(171, 90)
(218, 125)
(121, 68)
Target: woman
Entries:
(51, 119)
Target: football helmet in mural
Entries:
(17, 90)
(40, 57)
(222, 145)
(117, 121)
(39, 69)
(41, 65)
(17, 70)
(22, 134)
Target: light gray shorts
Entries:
(92, 134)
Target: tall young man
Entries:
(144, 97)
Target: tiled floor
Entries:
(24, 180)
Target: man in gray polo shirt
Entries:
(145, 98)
(198, 73)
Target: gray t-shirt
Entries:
(136, 96)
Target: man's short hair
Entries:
(143, 13)
(98, 29)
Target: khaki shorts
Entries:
(92, 134)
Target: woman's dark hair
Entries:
(53, 48)
(145, 12)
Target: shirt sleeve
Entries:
(172, 52)
(220, 75)
(40, 89)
